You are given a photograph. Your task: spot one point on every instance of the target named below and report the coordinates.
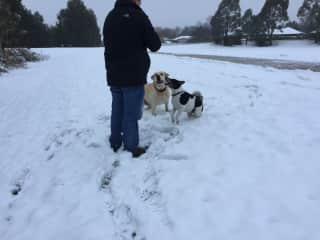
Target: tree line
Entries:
(201, 32)
(77, 25)
(19, 27)
(228, 26)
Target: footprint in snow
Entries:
(106, 178)
(174, 157)
(103, 118)
(19, 182)
(67, 138)
(126, 224)
(94, 145)
(9, 219)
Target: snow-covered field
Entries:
(248, 169)
(294, 50)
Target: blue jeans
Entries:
(127, 108)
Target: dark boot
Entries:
(139, 151)
(115, 148)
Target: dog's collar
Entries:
(162, 90)
(176, 94)
(158, 90)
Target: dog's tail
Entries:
(198, 94)
(199, 99)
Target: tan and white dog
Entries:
(157, 93)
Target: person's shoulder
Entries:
(141, 15)
(110, 14)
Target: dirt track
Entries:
(279, 64)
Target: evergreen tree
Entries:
(274, 15)
(247, 22)
(201, 33)
(309, 16)
(53, 36)
(31, 30)
(77, 26)
(317, 22)
(4, 21)
(9, 19)
(226, 23)
(40, 35)
(21, 28)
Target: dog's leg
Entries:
(153, 109)
(147, 104)
(167, 106)
(178, 117)
(172, 115)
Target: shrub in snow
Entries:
(14, 58)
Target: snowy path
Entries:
(249, 169)
(302, 51)
(279, 64)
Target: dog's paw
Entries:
(175, 122)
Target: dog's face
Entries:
(174, 83)
(160, 80)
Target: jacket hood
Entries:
(120, 3)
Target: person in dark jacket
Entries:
(128, 34)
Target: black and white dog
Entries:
(183, 101)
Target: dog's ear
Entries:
(167, 75)
(182, 82)
(153, 77)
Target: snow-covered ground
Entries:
(294, 50)
(248, 169)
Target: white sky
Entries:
(165, 13)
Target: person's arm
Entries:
(106, 36)
(150, 36)
(105, 31)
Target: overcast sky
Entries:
(165, 13)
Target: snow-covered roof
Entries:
(287, 31)
(182, 38)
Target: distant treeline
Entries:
(19, 27)
(77, 25)
(228, 26)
